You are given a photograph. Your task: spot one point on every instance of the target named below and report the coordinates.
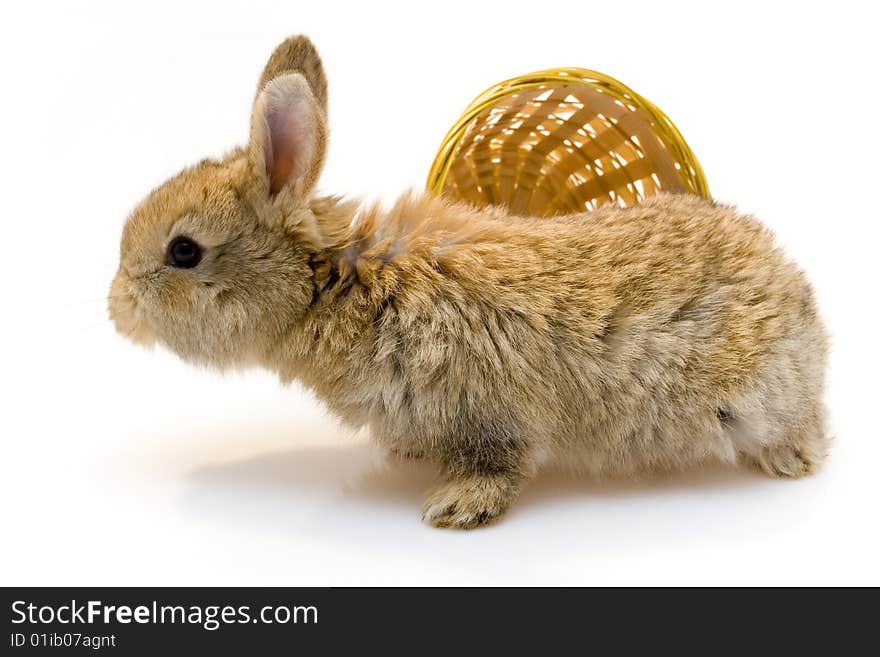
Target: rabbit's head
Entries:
(215, 263)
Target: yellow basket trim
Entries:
(694, 178)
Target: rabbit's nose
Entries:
(121, 304)
(125, 313)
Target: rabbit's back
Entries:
(623, 339)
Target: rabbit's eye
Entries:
(184, 253)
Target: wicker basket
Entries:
(560, 141)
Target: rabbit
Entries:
(616, 342)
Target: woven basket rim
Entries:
(667, 131)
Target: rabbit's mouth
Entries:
(126, 314)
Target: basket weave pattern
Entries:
(563, 141)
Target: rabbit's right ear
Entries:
(288, 136)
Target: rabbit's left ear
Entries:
(288, 136)
(297, 55)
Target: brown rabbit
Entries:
(618, 341)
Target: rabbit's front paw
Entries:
(468, 501)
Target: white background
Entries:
(125, 466)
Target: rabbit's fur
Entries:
(619, 341)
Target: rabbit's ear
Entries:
(297, 55)
(288, 136)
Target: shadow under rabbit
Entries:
(350, 493)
